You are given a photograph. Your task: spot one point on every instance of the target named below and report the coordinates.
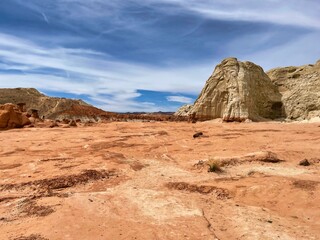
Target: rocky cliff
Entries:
(300, 89)
(237, 91)
(49, 107)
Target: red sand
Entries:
(137, 180)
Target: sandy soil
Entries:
(150, 181)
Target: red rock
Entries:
(12, 117)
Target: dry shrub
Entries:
(214, 165)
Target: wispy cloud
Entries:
(91, 73)
(180, 99)
(124, 103)
(302, 51)
(109, 50)
(290, 12)
(45, 17)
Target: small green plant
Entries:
(214, 166)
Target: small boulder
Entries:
(12, 117)
(198, 134)
(304, 162)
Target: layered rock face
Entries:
(237, 91)
(12, 117)
(49, 107)
(300, 89)
(184, 110)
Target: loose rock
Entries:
(198, 134)
(304, 162)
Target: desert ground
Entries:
(150, 180)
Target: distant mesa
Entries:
(240, 91)
(41, 106)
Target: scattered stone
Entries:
(198, 134)
(73, 123)
(304, 162)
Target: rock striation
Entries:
(12, 117)
(300, 89)
(237, 91)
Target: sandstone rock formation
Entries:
(184, 110)
(300, 89)
(237, 91)
(85, 113)
(12, 117)
(49, 107)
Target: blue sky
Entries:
(147, 55)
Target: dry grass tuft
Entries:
(214, 165)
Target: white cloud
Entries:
(123, 103)
(45, 17)
(179, 99)
(96, 74)
(82, 71)
(290, 12)
(304, 50)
